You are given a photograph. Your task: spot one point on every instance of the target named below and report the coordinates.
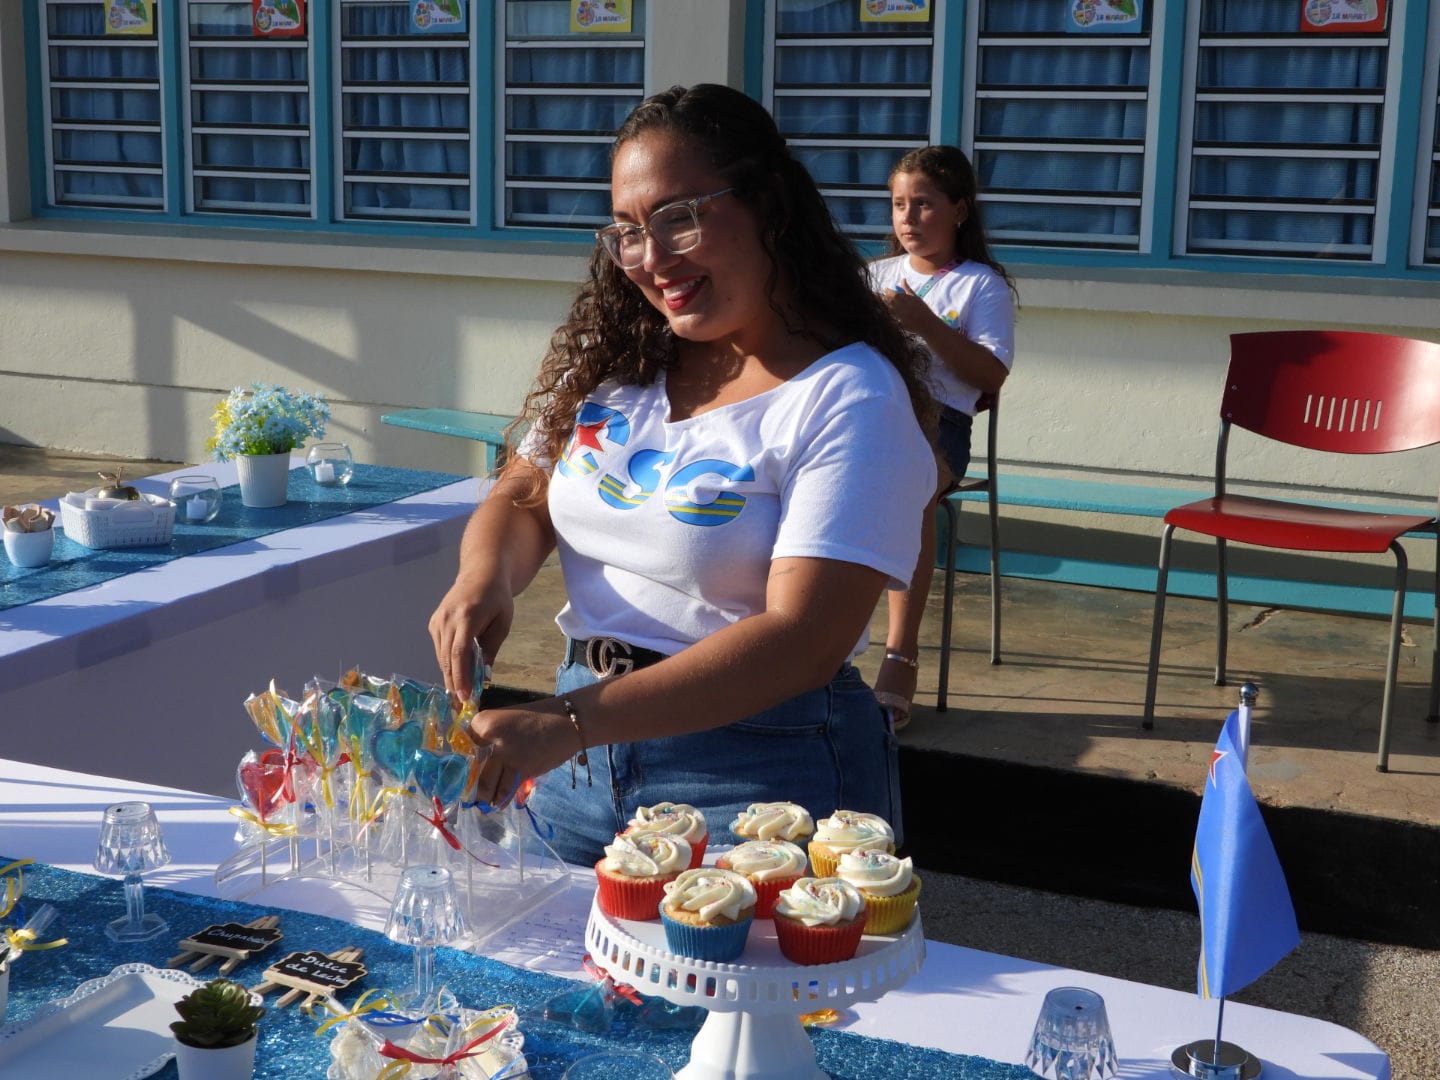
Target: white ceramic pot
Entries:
(264, 479)
(29, 548)
(231, 1063)
(4, 988)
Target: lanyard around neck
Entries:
(935, 277)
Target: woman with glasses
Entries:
(723, 436)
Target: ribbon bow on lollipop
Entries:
(402, 1059)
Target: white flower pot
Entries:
(231, 1063)
(4, 988)
(29, 548)
(263, 479)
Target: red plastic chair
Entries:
(1338, 391)
(987, 403)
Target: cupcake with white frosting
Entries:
(707, 914)
(889, 885)
(819, 920)
(770, 866)
(774, 821)
(677, 819)
(847, 830)
(631, 878)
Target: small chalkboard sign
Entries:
(232, 939)
(314, 972)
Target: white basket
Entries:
(151, 520)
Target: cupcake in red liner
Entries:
(770, 866)
(707, 914)
(677, 819)
(847, 830)
(774, 821)
(889, 885)
(631, 878)
(819, 921)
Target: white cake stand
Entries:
(753, 1030)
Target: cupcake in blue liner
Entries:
(707, 914)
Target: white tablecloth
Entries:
(963, 1001)
(143, 676)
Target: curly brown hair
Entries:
(614, 333)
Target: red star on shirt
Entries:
(1215, 756)
(588, 435)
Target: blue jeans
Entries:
(953, 440)
(825, 749)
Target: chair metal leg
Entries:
(1392, 663)
(1222, 612)
(947, 618)
(995, 573)
(1433, 716)
(1152, 673)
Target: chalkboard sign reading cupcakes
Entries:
(234, 941)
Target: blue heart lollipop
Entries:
(441, 776)
(395, 750)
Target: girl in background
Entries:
(942, 285)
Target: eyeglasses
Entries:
(675, 227)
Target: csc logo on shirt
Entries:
(643, 472)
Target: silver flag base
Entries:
(1198, 1059)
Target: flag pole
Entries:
(1219, 1024)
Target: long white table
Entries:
(143, 676)
(962, 1001)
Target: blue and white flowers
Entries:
(265, 419)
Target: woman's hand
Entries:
(910, 310)
(524, 741)
(471, 611)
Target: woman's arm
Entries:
(814, 612)
(972, 362)
(502, 550)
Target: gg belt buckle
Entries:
(607, 656)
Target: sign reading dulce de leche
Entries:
(315, 972)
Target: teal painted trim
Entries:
(324, 27)
(1318, 268)
(35, 108)
(487, 428)
(753, 49)
(1169, 52)
(1243, 589)
(176, 151)
(952, 87)
(1409, 105)
(484, 38)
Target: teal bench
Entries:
(1136, 500)
(487, 428)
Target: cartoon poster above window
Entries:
(894, 10)
(1342, 16)
(277, 18)
(600, 17)
(438, 16)
(135, 17)
(1104, 16)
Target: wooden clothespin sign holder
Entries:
(313, 974)
(233, 941)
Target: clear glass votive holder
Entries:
(425, 912)
(196, 497)
(1072, 1038)
(619, 1065)
(130, 844)
(330, 463)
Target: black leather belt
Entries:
(606, 656)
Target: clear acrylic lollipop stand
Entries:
(753, 1031)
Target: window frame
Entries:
(1424, 209)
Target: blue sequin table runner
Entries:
(289, 1047)
(74, 566)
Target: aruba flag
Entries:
(1247, 922)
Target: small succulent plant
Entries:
(27, 518)
(217, 1015)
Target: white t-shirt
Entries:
(972, 299)
(666, 530)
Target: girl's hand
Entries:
(524, 741)
(909, 310)
(469, 612)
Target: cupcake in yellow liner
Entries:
(889, 885)
(847, 830)
(630, 879)
(774, 821)
(770, 865)
(819, 921)
(707, 914)
(677, 819)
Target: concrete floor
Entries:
(1067, 697)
